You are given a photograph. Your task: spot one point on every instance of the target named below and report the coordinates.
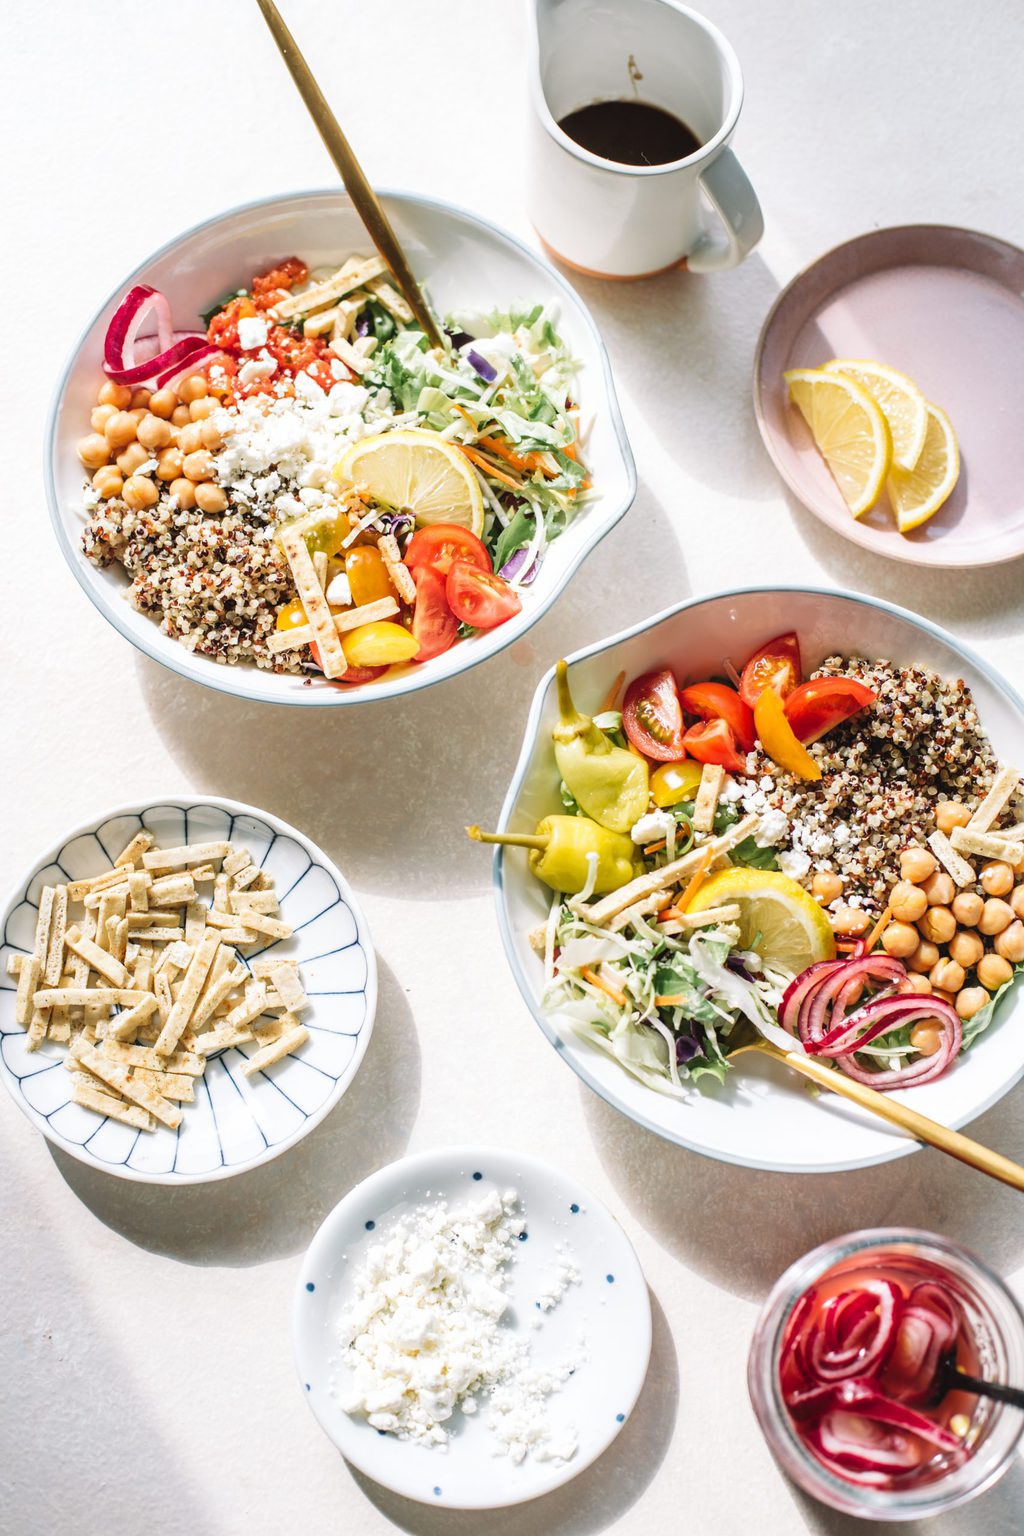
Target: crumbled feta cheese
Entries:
(652, 827)
(307, 388)
(252, 332)
(339, 593)
(794, 863)
(771, 829)
(256, 368)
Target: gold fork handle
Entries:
(930, 1131)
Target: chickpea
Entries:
(210, 498)
(970, 1000)
(131, 459)
(900, 940)
(924, 957)
(849, 920)
(938, 924)
(908, 902)
(180, 416)
(211, 435)
(140, 397)
(939, 889)
(93, 450)
(993, 972)
(200, 409)
(100, 415)
(826, 887)
(108, 481)
(926, 1037)
(854, 995)
(162, 402)
(168, 465)
(139, 491)
(914, 983)
(153, 432)
(947, 976)
(198, 466)
(947, 997)
(916, 864)
(117, 395)
(1010, 943)
(136, 413)
(184, 493)
(1016, 900)
(120, 430)
(966, 949)
(950, 814)
(190, 438)
(967, 908)
(996, 878)
(193, 388)
(996, 915)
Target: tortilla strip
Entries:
(368, 613)
(93, 900)
(78, 890)
(103, 963)
(712, 777)
(84, 1092)
(147, 919)
(399, 572)
(1004, 786)
(142, 975)
(165, 860)
(289, 988)
(117, 1076)
(172, 891)
(391, 299)
(179, 1088)
(1014, 834)
(245, 877)
(265, 1030)
(126, 1024)
(962, 872)
(986, 845)
(276, 1050)
(658, 879)
(26, 993)
(271, 927)
(15, 963)
(54, 966)
(227, 983)
(263, 966)
(79, 997)
(646, 908)
(41, 946)
(236, 862)
(195, 976)
(329, 291)
(727, 914)
(140, 844)
(178, 1063)
(311, 595)
(254, 901)
(222, 1038)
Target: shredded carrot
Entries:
(670, 999)
(482, 462)
(878, 930)
(656, 847)
(699, 876)
(613, 693)
(597, 981)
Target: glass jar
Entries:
(997, 1325)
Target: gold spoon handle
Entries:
(930, 1131)
(366, 201)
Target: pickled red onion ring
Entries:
(120, 361)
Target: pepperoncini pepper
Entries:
(608, 783)
(561, 849)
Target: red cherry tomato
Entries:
(714, 742)
(478, 597)
(815, 707)
(352, 674)
(776, 665)
(652, 716)
(433, 623)
(442, 544)
(715, 701)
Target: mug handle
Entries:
(735, 202)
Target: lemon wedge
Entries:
(849, 431)
(918, 493)
(778, 918)
(901, 402)
(416, 471)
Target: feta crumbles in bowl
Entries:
(300, 401)
(870, 818)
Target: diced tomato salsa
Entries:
(293, 352)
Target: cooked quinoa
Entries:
(883, 772)
(213, 582)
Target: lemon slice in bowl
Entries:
(901, 402)
(918, 493)
(416, 471)
(849, 431)
(778, 918)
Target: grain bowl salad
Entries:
(308, 486)
(835, 861)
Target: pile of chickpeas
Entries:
(132, 427)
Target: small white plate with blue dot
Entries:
(602, 1321)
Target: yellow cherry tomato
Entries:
(673, 782)
(291, 616)
(378, 645)
(367, 575)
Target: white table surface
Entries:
(124, 123)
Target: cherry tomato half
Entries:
(652, 716)
(353, 674)
(715, 701)
(815, 707)
(714, 742)
(776, 665)
(478, 597)
(433, 623)
(442, 544)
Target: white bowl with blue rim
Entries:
(236, 1122)
(604, 1320)
(466, 263)
(764, 1117)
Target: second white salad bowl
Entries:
(764, 1117)
(465, 263)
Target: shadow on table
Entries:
(274, 1210)
(999, 1509)
(387, 790)
(741, 1227)
(594, 1500)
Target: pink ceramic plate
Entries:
(947, 307)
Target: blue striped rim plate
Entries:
(236, 1122)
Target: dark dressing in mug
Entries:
(630, 132)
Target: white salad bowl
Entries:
(764, 1117)
(236, 1122)
(465, 263)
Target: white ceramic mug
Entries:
(627, 221)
